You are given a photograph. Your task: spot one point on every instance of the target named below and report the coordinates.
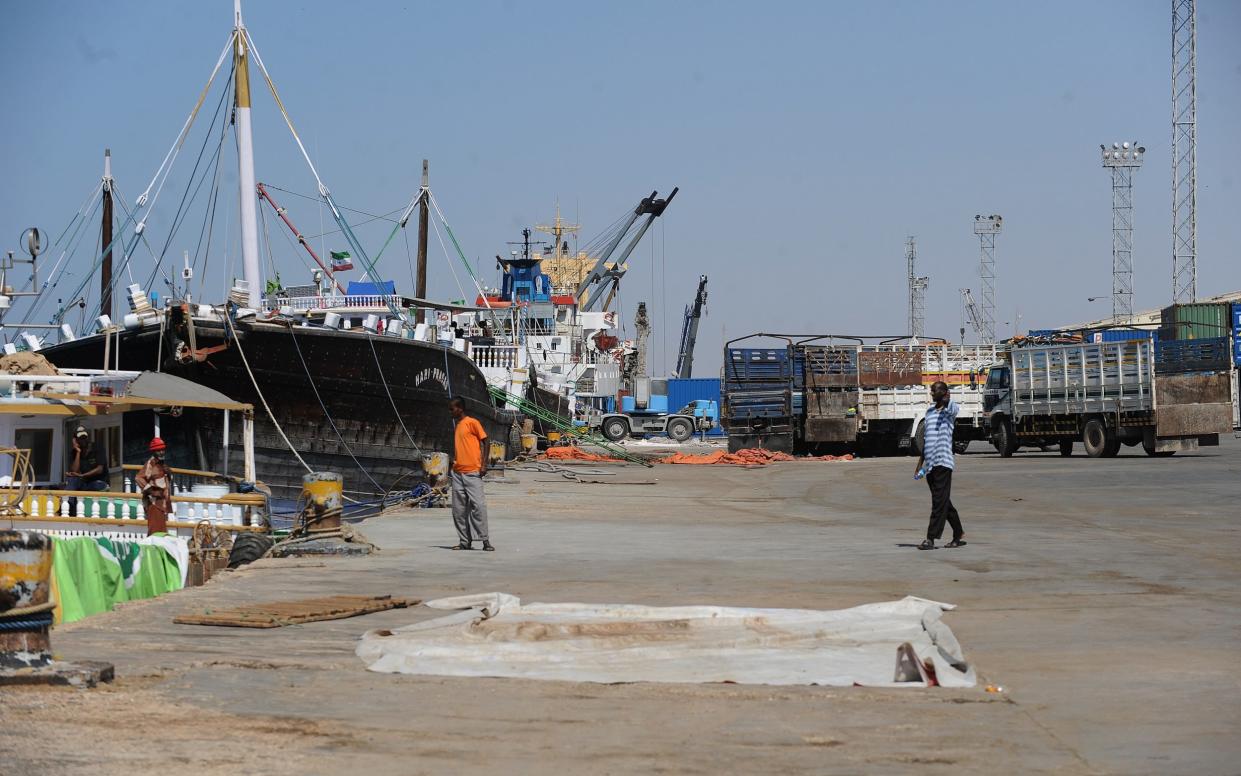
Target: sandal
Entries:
(927, 545)
(956, 543)
(462, 547)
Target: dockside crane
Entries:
(604, 278)
(970, 313)
(689, 330)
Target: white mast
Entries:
(251, 267)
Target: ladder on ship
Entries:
(563, 425)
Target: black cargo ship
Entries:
(302, 371)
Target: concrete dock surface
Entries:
(1103, 596)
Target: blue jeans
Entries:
(75, 483)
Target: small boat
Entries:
(40, 414)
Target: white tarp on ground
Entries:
(496, 635)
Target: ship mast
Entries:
(245, 161)
(420, 282)
(105, 270)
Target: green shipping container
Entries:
(1199, 320)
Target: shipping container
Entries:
(1236, 333)
(1117, 335)
(1199, 320)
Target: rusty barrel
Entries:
(25, 599)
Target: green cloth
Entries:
(94, 574)
(340, 255)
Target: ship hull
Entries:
(326, 389)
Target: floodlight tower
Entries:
(917, 291)
(1122, 159)
(987, 227)
(1184, 153)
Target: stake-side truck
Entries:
(1167, 396)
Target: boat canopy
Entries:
(165, 389)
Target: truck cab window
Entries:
(998, 378)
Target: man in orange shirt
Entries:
(469, 466)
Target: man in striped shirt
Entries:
(937, 463)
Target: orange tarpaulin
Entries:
(751, 457)
(569, 453)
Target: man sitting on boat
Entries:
(87, 471)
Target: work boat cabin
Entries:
(41, 411)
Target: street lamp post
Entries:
(1122, 159)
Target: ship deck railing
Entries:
(78, 382)
(497, 356)
(113, 513)
(338, 302)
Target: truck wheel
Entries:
(1005, 441)
(1096, 439)
(1113, 446)
(1066, 447)
(615, 429)
(680, 430)
(960, 446)
(1149, 448)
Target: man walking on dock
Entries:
(469, 466)
(937, 463)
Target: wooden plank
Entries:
(275, 614)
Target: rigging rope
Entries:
(383, 380)
(228, 318)
(328, 415)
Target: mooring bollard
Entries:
(25, 599)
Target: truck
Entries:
(882, 406)
(1167, 396)
(648, 420)
(817, 392)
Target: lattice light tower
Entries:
(987, 227)
(1122, 159)
(1184, 153)
(917, 291)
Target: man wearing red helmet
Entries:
(155, 482)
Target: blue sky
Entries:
(808, 139)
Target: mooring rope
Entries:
(270, 415)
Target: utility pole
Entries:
(1184, 153)
(987, 227)
(420, 284)
(917, 291)
(1122, 159)
(105, 235)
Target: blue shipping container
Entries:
(1117, 335)
(1236, 333)
(684, 391)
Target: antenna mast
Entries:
(917, 291)
(1184, 153)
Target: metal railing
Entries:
(335, 302)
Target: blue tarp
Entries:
(383, 287)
